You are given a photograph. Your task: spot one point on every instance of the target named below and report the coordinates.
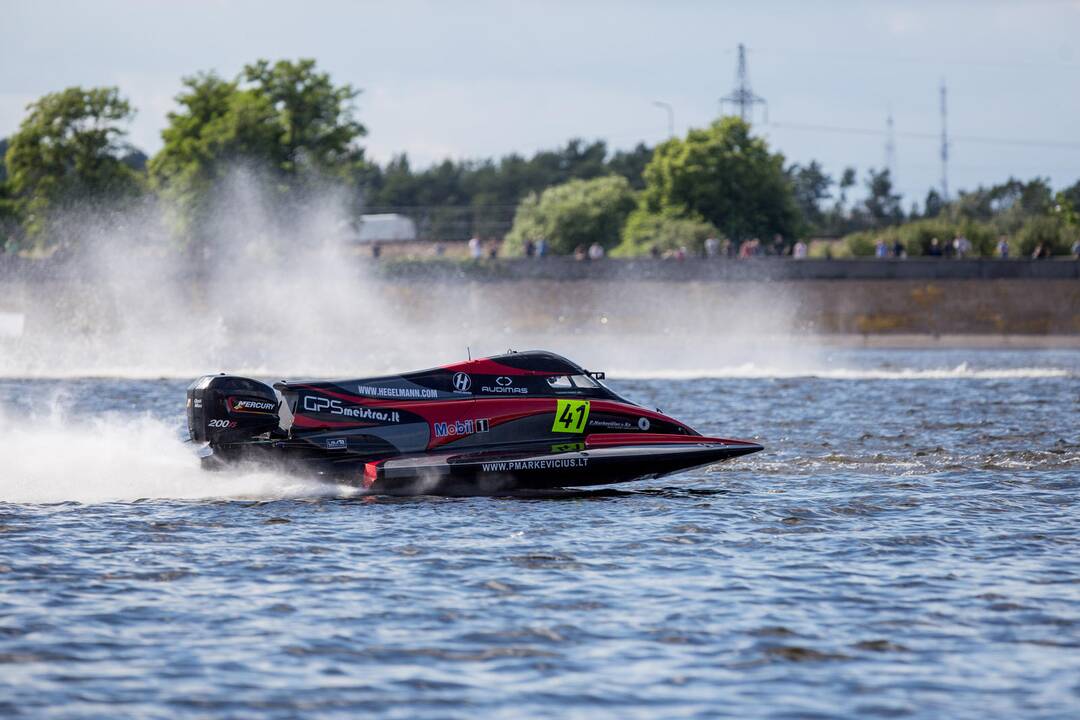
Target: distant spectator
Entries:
(961, 246)
(1041, 252)
(376, 250)
(654, 252)
(712, 247)
(681, 253)
(530, 248)
(596, 251)
(898, 249)
(493, 249)
(580, 254)
(799, 251)
(1003, 247)
(475, 250)
(935, 248)
(881, 249)
(440, 249)
(1076, 248)
(728, 248)
(778, 244)
(541, 247)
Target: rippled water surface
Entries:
(907, 546)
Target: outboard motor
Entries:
(226, 408)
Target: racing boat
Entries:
(519, 421)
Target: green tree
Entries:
(8, 215)
(1008, 204)
(316, 117)
(286, 122)
(847, 181)
(725, 176)
(576, 213)
(1065, 208)
(810, 186)
(1072, 194)
(631, 164)
(217, 126)
(68, 154)
(933, 205)
(882, 205)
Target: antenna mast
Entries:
(944, 146)
(743, 97)
(890, 149)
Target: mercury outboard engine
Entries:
(226, 408)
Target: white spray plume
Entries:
(285, 295)
(56, 457)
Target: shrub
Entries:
(916, 237)
(861, 244)
(578, 212)
(1049, 230)
(645, 230)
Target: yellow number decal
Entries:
(570, 416)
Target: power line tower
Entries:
(742, 97)
(890, 148)
(944, 146)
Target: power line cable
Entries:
(1064, 144)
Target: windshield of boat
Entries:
(582, 385)
(567, 382)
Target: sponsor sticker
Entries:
(336, 444)
(643, 423)
(333, 406)
(553, 464)
(462, 382)
(256, 406)
(567, 447)
(611, 424)
(570, 416)
(397, 393)
(505, 385)
(456, 428)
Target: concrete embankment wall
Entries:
(1001, 307)
(749, 270)
(916, 296)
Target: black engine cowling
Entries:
(226, 408)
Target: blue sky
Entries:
(478, 79)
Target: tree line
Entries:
(289, 125)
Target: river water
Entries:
(908, 545)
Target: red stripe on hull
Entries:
(598, 440)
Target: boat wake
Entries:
(750, 371)
(122, 458)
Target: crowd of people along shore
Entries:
(957, 248)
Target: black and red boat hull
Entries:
(517, 421)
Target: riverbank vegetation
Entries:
(288, 125)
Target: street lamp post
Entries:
(670, 115)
